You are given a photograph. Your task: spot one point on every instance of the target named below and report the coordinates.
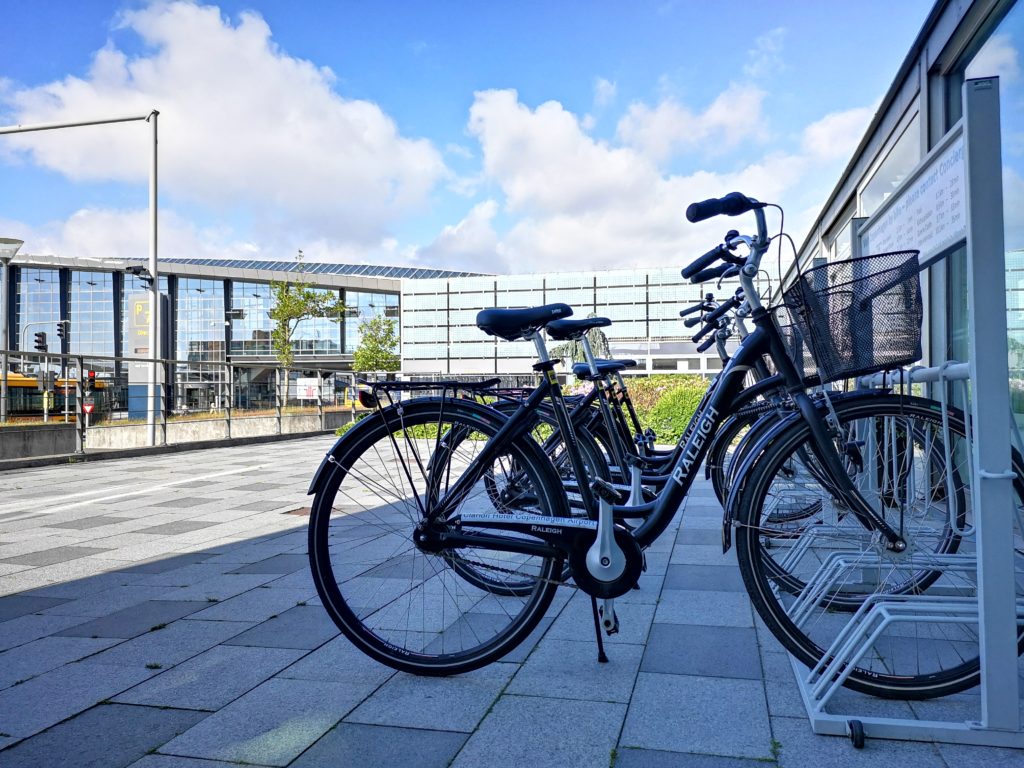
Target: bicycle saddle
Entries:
(564, 330)
(604, 367)
(512, 324)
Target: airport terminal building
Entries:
(218, 311)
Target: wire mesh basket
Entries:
(793, 340)
(860, 316)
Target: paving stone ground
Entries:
(158, 613)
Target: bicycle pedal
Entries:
(609, 620)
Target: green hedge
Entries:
(671, 412)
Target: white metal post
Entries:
(992, 489)
(154, 292)
(155, 287)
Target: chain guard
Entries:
(608, 589)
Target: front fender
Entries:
(748, 458)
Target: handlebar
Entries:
(708, 258)
(708, 327)
(732, 204)
(713, 273)
(702, 306)
(724, 307)
(706, 345)
(692, 321)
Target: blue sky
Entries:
(514, 136)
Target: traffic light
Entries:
(90, 381)
(62, 329)
(41, 341)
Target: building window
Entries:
(360, 307)
(199, 325)
(92, 314)
(1000, 56)
(251, 324)
(37, 307)
(904, 155)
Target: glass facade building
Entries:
(439, 333)
(215, 312)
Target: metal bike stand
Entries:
(995, 608)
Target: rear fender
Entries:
(333, 460)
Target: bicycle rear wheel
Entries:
(442, 612)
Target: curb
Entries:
(131, 453)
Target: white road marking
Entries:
(114, 492)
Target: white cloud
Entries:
(733, 117)
(581, 203)
(471, 245)
(458, 150)
(835, 136)
(243, 125)
(105, 233)
(765, 57)
(604, 92)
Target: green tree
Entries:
(294, 302)
(573, 350)
(377, 344)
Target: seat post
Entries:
(538, 341)
(589, 354)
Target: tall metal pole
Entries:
(154, 292)
(4, 334)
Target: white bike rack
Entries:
(995, 608)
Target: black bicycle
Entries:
(440, 530)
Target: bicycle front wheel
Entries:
(806, 573)
(430, 612)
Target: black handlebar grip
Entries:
(732, 204)
(690, 310)
(724, 307)
(706, 345)
(708, 327)
(691, 321)
(704, 261)
(711, 273)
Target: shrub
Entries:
(346, 427)
(675, 404)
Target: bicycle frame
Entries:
(561, 534)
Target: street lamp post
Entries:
(8, 247)
(154, 290)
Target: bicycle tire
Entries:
(400, 605)
(951, 662)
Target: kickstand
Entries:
(601, 657)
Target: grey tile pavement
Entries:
(381, 746)
(271, 725)
(26, 661)
(304, 626)
(211, 679)
(140, 729)
(147, 616)
(184, 609)
(51, 556)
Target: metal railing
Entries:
(195, 399)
